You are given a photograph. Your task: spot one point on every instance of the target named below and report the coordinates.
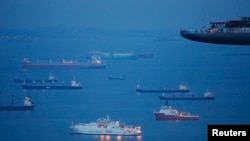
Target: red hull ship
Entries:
(167, 113)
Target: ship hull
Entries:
(16, 108)
(161, 116)
(101, 131)
(63, 66)
(218, 38)
(28, 87)
(161, 91)
(185, 98)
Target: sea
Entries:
(220, 69)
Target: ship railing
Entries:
(80, 124)
(239, 30)
(208, 30)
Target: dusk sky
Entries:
(121, 14)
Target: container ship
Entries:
(182, 89)
(233, 32)
(94, 63)
(105, 126)
(75, 85)
(207, 96)
(51, 79)
(28, 105)
(168, 113)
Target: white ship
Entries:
(104, 126)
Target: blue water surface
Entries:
(176, 60)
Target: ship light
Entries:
(139, 138)
(107, 138)
(102, 138)
(119, 138)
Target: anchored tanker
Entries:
(168, 113)
(105, 126)
(75, 85)
(182, 89)
(119, 55)
(207, 96)
(233, 32)
(94, 63)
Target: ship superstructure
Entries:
(27, 106)
(105, 126)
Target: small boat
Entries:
(105, 126)
(75, 85)
(28, 105)
(116, 77)
(207, 96)
(51, 79)
(168, 113)
(182, 89)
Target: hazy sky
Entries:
(135, 14)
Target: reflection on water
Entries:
(118, 138)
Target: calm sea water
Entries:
(176, 60)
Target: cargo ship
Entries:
(168, 113)
(119, 55)
(232, 32)
(75, 85)
(182, 89)
(28, 105)
(51, 79)
(207, 96)
(94, 63)
(105, 126)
